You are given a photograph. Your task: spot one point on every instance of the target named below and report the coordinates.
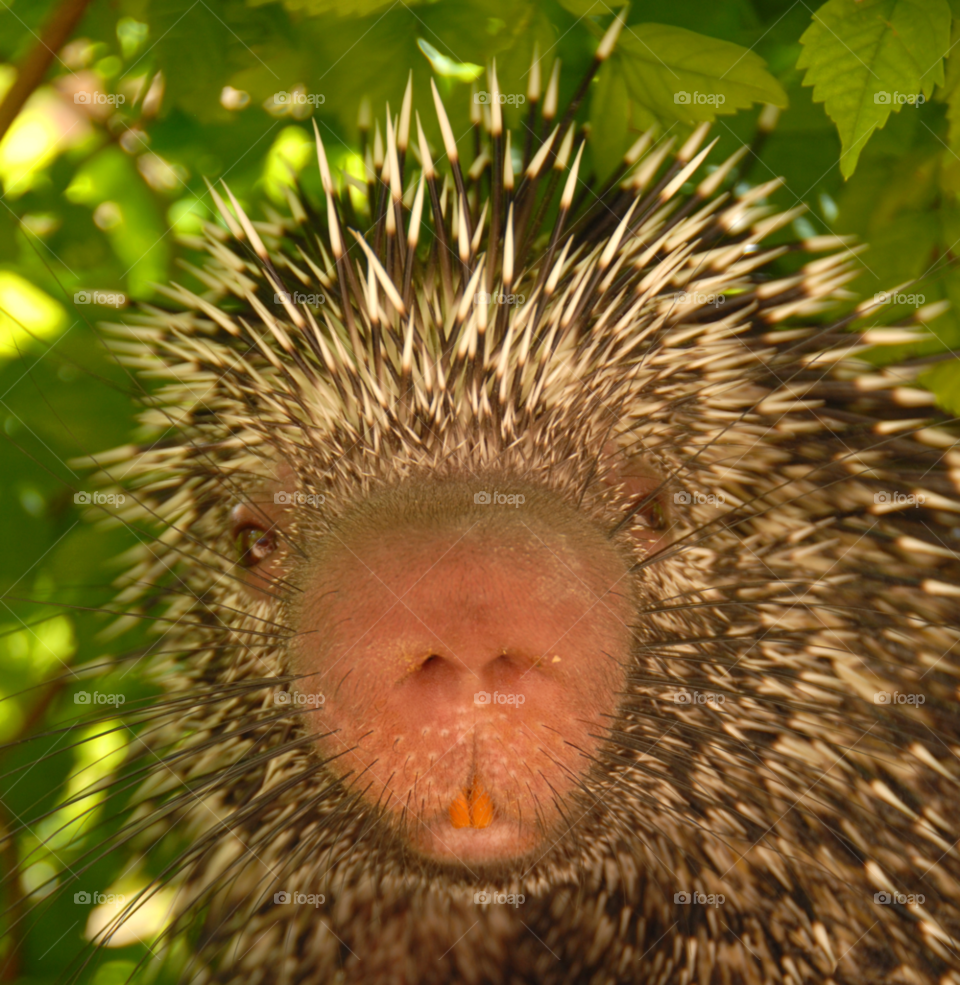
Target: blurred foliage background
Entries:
(102, 195)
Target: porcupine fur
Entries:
(799, 599)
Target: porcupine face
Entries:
(717, 774)
(471, 658)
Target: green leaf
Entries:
(732, 20)
(951, 92)
(675, 74)
(200, 46)
(609, 119)
(589, 8)
(26, 314)
(136, 229)
(341, 8)
(944, 381)
(8, 229)
(865, 57)
(114, 973)
(442, 65)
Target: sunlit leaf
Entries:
(866, 58)
(46, 127)
(150, 916)
(126, 211)
(286, 159)
(26, 313)
(442, 65)
(676, 74)
(132, 34)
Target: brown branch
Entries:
(34, 67)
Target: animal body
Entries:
(561, 600)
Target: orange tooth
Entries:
(472, 808)
(460, 812)
(481, 807)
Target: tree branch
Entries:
(34, 67)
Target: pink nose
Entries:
(457, 668)
(468, 678)
(462, 653)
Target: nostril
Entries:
(435, 672)
(507, 671)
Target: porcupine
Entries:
(660, 501)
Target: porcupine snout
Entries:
(470, 648)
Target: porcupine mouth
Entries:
(470, 657)
(503, 840)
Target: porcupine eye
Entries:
(253, 545)
(652, 515)
(643, 487)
